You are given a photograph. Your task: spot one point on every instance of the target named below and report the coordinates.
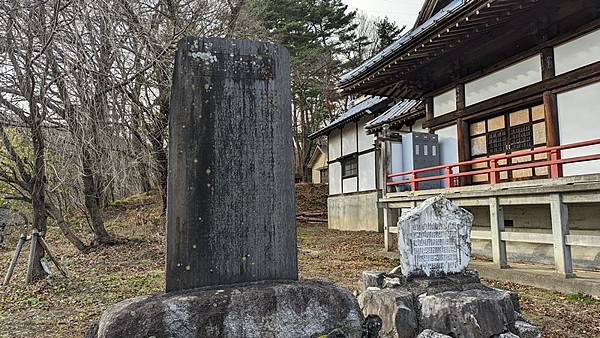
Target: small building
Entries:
(319, 167)
(509, 88)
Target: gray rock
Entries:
(431, 334)
(508, 335)
(372, 279)
(526, 330)
(371, 326)
(395, 307)
(514, 296)
(469, 314)
(265, 309)
(521, 317)
(396, 271)
(389, 283)
(469, 276)
(434, 238)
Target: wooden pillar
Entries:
(548, 66)
(387, 224)
(550, 104)
(551, 112)
(551, 109)
(428, 108)
(384, 168)
(497, 227)
(460, 96)
(464, 148)
(559, 214)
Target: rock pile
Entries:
(432, 294)
(455, 305)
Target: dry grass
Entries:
(64, 308)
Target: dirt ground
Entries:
(61, 307)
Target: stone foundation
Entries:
(456, 305)
(265, 309)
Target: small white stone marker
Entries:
(434, 239)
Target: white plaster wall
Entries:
(579, 120)
(577, 53)
(365, 142)
(396, 161)
(333, 142)
(444, 103)
(355, 212)
(335, 178)
(505, 80)
(349, 138)
(448, 141)
(349, 185)
(366, 172)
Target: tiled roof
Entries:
(401, 108)
(356, 110)
(404, 39)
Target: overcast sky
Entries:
(403, 12)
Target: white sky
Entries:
(403, 12)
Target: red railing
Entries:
(554, 161)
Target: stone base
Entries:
(455, 305)
(266, 309)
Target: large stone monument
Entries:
(433, 294)
(231, 239)
(434, 238)
(231, 207)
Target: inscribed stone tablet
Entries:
(434, 238)
(231, 207)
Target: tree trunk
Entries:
(159, 152)
(93, 200)
(38, 182)
(57, 215)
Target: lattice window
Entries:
(521, 137)
(496, 141)
(350, 167)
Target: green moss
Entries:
(580, 297)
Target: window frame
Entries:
(348, 160)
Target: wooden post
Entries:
(497, 227)
(428, 108)
(387, 223)
(551, 108)
(51, 256)
(32, 249)
(494, 175)
(548, 65)
(552, 131)
(385, 160)
(231, 205)
(385, 147)
(464, 148)
(560, 229)
(13, 262)
(460, 96)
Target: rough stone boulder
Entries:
(396, 309)
(469, 314)
(264, 309)
(431, 334)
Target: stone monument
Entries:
(231, 239)
(434, 238)
(231, 207)
(433, 294)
